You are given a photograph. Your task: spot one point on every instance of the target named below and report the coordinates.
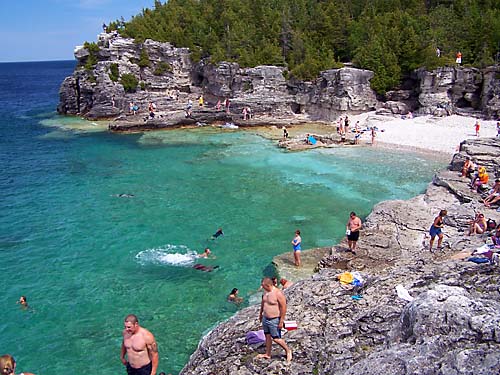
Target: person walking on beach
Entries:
(352, 231)
(436, 228)
(374, 134)
(139, 345)
(477, 127)
(8, 366)
(296, 243)
(272, 315)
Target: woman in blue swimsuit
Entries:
(296, 247)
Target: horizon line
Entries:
(33, 61)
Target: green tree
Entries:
(129, 82)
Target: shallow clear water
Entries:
(86, 257)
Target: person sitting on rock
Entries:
(468, 167)
(478, 225)
(481, 179)
(493, 194)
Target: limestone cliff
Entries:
(167, 76)
(452, 326)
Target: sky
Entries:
(43, 30)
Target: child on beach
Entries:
(477, 126)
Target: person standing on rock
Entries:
(436, 228)
(272, 315)
(352, 231)
(296, 243)
(227, 103)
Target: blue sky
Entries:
(40, 30)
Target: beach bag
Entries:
(491, 224)
(290, 325)
(255, 337)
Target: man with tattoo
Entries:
(272, 315)
(139, 345)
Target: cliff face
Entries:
(452, 326)
(170, 78)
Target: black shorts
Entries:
(353, 236)
(144, 370)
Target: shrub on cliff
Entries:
(161, 68)
(114, 74)
(93, 50)
(129, 82)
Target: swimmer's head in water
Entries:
(207, 251)
(7, 364)
(234, 291)
(22, 300)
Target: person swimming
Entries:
(23, 302)
(206, 254)
(233, 296)
(204, 268)
(218, 234)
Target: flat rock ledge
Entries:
(199, 117)
(451, 327)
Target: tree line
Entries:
(390, 37)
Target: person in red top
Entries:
(477, 126)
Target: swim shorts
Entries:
(434, 231)
(144, 370)
(270, 327)
(353, 236)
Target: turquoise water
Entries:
(86, 257)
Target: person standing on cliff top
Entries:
(296, 243)
(352, 231)
(272, 315)
(139, 345)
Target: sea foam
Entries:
(176, 255)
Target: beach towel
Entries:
(255, 337)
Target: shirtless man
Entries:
(140, 347)
(272, 315)
(352, 231)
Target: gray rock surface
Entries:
(171, 78)
(452, 326)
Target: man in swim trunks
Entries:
(139, 345)
(272, 315)
(352, 231)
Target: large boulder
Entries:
(341, 90)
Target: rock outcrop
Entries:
(167, 76)
(452, 325)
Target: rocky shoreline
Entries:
(97, 89)
(452, 326)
